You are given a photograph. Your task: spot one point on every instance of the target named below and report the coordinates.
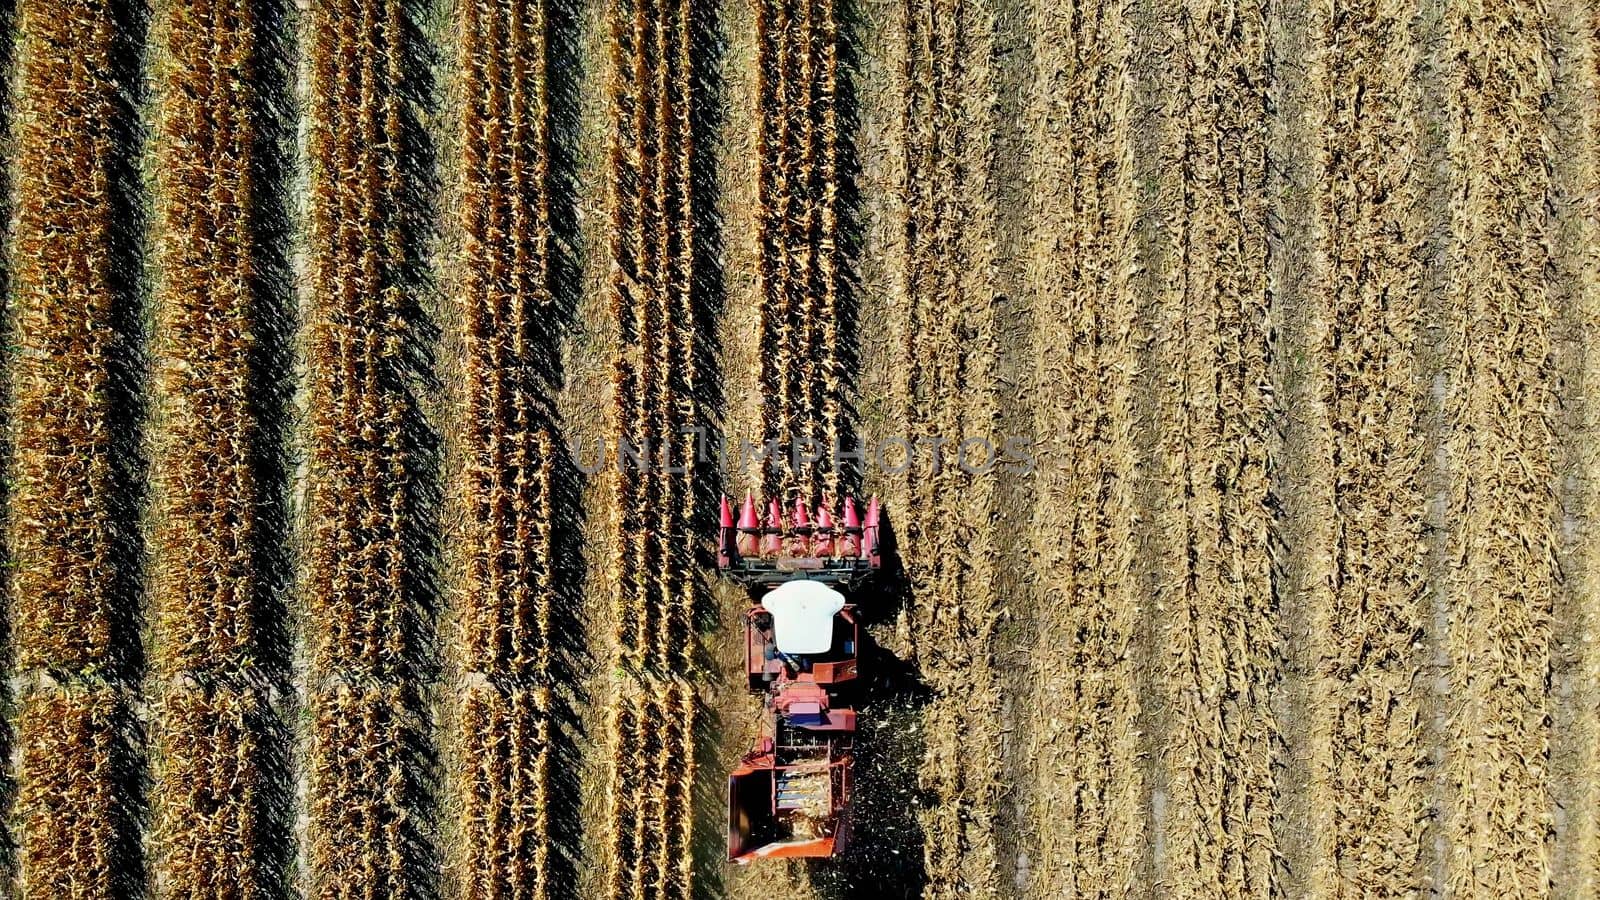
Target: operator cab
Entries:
(802, 616)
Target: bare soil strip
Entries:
(368, 582)
(223, 329)
(1217, 603)
(1501, 451)
(656, 387)
(512, 449)
(1370, 673)
(73, 523)
(1087, 797)
(948, 345)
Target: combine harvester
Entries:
(790, 796)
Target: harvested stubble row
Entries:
(367, 581)
(802, 375)
(950, 349)
(655, 383)
(223, 797)
(509, 441)
(1370, 743)
(1501, 504)
(1219, 624)
(74, 507)
(1080, 266)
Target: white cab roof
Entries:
(802, 616)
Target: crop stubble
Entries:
(74, 506)
(1219, 650)
(652, 287)
(1500, 445)
(1369, 677)
(367, 587)
(949, 352)
(1086, 792)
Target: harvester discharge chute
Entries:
(790, 796)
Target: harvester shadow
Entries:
(884, 857)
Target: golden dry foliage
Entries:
(949, 353)
(503, 785)
(656, 384)
(1088, 784)
(1215, 593)
(1370, 680)
(222, 832)
(222, 800)
(1500, 447)
(363, 771)
(80, 839)
(510, 443)
(367, 561)
(73, 510)
(802, 370)
(74, 479)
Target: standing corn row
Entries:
(223, 651)
(74, 515)
(1216, 599)
(1081, 267)
(510, 441)
(800, 273)
(1501, 452)
(655, 382)
(1370, 678)
(368, 584)
(950, 350)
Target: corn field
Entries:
(372, 368)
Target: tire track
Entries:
(1575, 741)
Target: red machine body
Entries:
(790, 795)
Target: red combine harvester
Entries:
(790, 796)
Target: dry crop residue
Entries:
(1500, 448)
(1219, 652)
(947, 395)
(1369, 682)
(222, 635)
(366, 586)
(653, 291)
(1083, 706)
(74, 507)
